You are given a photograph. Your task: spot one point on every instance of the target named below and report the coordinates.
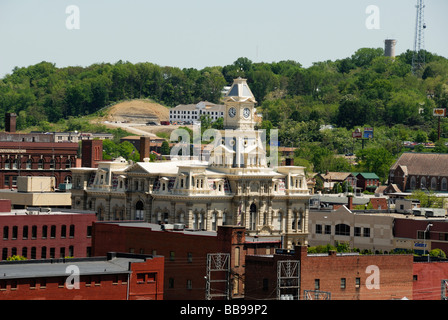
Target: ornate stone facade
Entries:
(238, 185)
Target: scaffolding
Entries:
(218, 265)
(288, 280)
(444, 289)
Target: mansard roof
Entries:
(240, 92)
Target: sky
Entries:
(202, 33)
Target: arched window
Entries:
(280, 221)
(413, 183)
(139, 209)
(433, 183)
(253, 216)
(423, 183)
(237, 257)
(342, 229)
(444, 184)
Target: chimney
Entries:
(92, 153)
(350, 202)
(10, 122)
(144, 147)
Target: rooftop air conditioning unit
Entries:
(179, 226)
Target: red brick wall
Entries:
(395, 275)
(110, 237)
(427, 280)
(80, 242)
(94, 287)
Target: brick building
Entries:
(427, 171)
(334, 276)
(42, 154)
(116, 276)
(421, 234)
(185, 253)
(430, 280)
(45, 233)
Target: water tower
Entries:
(389, 48)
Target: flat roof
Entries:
(187, 231)
(113, 264)
(33, 211)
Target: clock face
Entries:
(232, 112)
(246, 112)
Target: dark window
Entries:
(342, 229)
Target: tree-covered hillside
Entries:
(365, 89)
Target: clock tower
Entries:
(239, 103)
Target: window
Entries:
(89, 231)
(72, 231)
(29, 164)
(357, 231)
(172, 255)
(40, 164)
(63, 231)
(444, 184)
(14, 232)
(189, 257)
(357, 282)
(237, 256)
(316, 284)
(327, 229)
(171, 283)
(6, 181)
(53, 231)
(366, 232)
(189, 284)
(265, 284)
(5, 232)
(343, 283)
(318, 228)
(44, 231)
(25, 232)
(342, 229)
(43, 253)
(33, 232)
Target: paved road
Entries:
(130, 127)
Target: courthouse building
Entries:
(238, 185)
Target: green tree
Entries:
(375, 159)
(165, 148)
(427, 199)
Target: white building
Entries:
(193, 112)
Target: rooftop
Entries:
(112, 264)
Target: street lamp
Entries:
(424, 239)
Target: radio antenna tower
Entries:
(418, 57)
